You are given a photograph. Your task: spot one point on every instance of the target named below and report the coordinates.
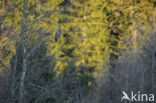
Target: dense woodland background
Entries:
(76, 51)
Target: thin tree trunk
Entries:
(21, 91)
(24, 67)
(13, 78)
(84, 36)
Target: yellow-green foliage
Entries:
(87, 28)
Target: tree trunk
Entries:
(24, 67)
